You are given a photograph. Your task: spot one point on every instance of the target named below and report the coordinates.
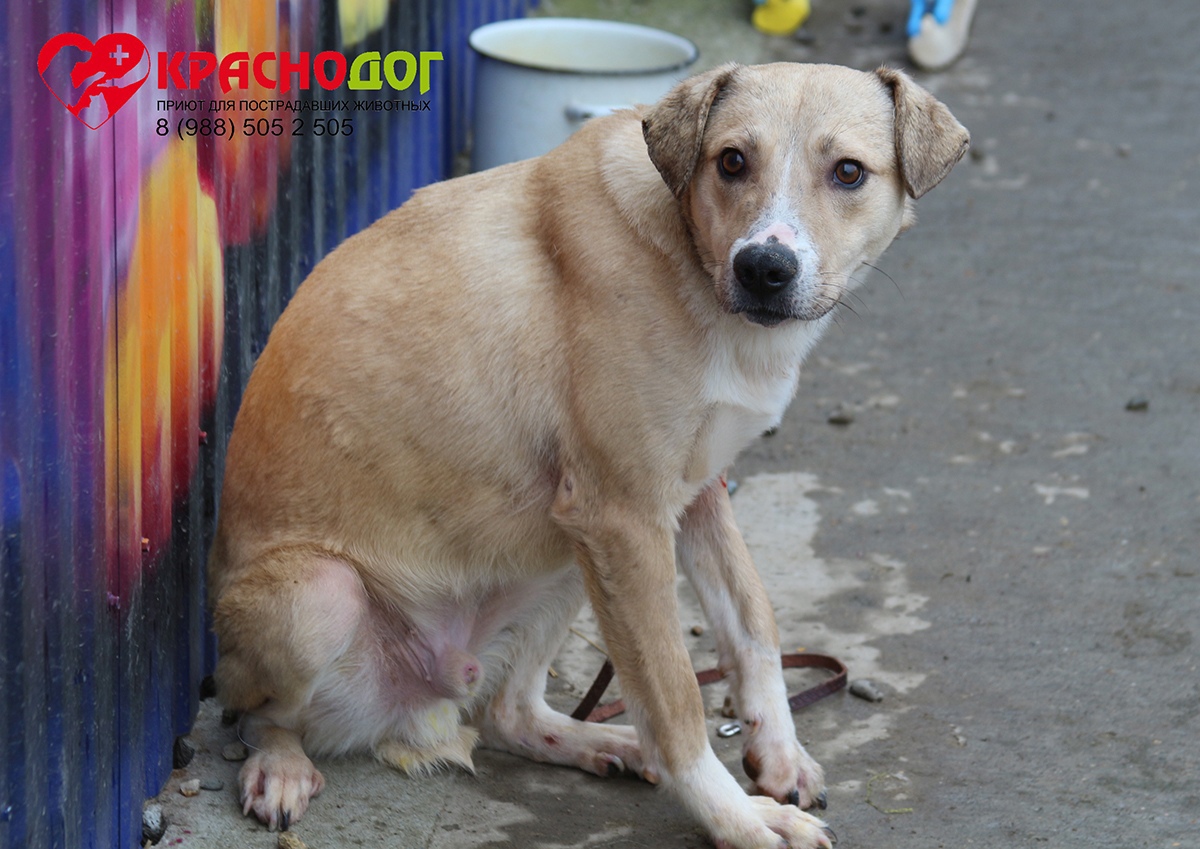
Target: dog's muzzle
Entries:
(766, 274)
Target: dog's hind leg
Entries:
(517, 718)
(283, 626)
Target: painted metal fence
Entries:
(140, 272)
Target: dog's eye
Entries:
(849, 173)
(731, 163)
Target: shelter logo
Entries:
(102, 76)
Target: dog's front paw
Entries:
(781, 769)
(277, 787)
(787, 827)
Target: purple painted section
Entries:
(139, 276)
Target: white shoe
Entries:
(938, 32)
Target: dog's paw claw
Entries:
(613, 765)
(822, 800)
(832, 834)
(277, 787)
(784, 772)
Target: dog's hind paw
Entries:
(544, 735)
(277, 787)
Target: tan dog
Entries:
(523, 387)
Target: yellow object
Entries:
(780, 17)
(360, 18)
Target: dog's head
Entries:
(791, 176)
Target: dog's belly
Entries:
(416, 663)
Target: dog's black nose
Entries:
(765, 269)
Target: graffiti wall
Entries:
(171, 171)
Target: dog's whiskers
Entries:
(856, 297)
(840, 303)
(888, 276)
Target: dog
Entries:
(520, 391)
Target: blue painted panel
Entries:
(140, 274)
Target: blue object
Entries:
(103, 645)
(940, 9)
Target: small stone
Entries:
(182, 753)
(697, 630)
(865, 689)
(840, 417)
(154, 824)
(190, 787)
(1137, 405)
(1124, 150)
(289, 840)
(214, 784)
(235, 752)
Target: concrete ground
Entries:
(1003, 537)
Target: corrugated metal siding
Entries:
(139, 277)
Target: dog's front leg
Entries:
(716, 561)
(628, 562)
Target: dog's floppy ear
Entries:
(674, 127)
(929, 140)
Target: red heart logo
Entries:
(113, 59)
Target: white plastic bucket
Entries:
(538, 79)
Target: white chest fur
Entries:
(750, 380)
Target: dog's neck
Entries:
(640, 195)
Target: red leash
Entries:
(591, 710)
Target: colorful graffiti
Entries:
(169, 322)
(246, 166)
(140, 273)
